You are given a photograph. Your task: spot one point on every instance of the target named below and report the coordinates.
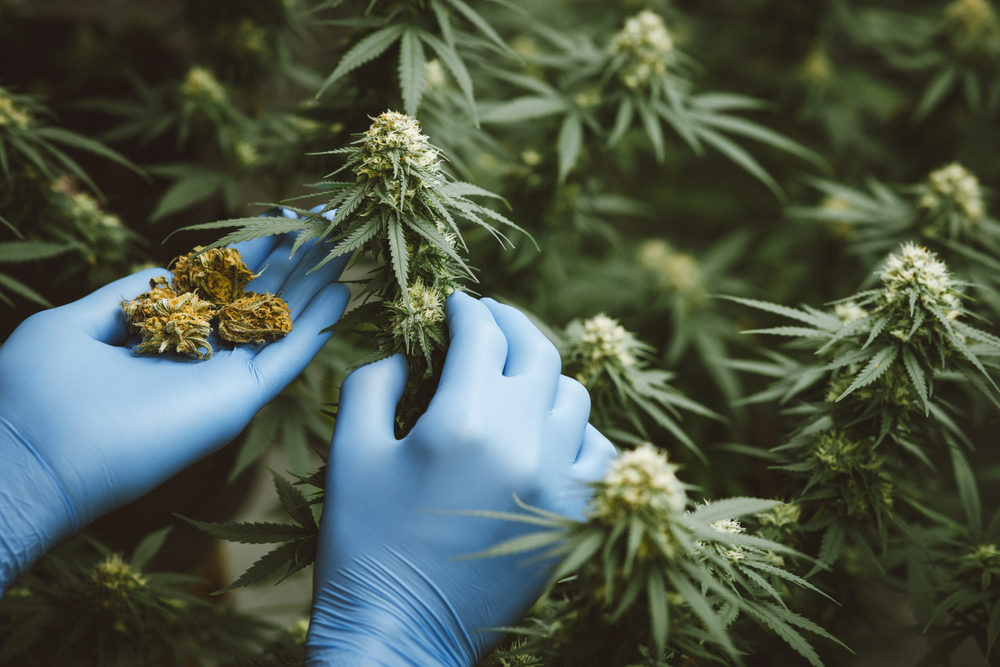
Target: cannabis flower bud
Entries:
(179, 324)
(392, 141)
(952, 190)
(200, 85)
(416, 314)
(11, 114)
(839, 227)
(85, 209)
(434, 74)
(246, 154)
(730, 527)
(982, 564)
(600, 344)
(646, 47)
(394, 151)
(779, 516)
(916, 275)
(673, 270)
(177, 317)
(218, 274)
(142, 307)
(816, 68)
(254, 318)
(116, 576)
(639, 481)
(115, 584)
(972, 26)
(849, 311)
(299, 630)
(852, 467)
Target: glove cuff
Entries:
(367, 614)
(35, 513)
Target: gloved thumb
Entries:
(369, 398)
(99, 314)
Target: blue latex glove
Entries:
(388, 588)
(86, 426)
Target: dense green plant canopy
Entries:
(763, 234)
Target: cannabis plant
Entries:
(959, 574)
(628, 142)
(947, 210)
(876, 412)
(637, 77)
(956, 49)
(401, 212)
(48, 200)
(615, 367)
(400, 217)
(415, 27)
(89, 604)
(666, 580)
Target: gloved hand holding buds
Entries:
(87, 426)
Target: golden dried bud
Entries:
(139, 309)
(177, 323)
(178, 317)
(254, 318)
(218, 274)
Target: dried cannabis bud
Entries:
(179, 324)
(254, 318)
(218, 274)
(142, 307)
(177, 317)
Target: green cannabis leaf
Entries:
(297, 541)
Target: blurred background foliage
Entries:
(659, 153)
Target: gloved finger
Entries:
(529, 352)
(99, 314)
(368, 400)
(569, 414)
(571, 495)
(256, 251)
(303, 282)
(329, 215)
(596, 453)
(276, 267)
(478, 348)
(278, 363)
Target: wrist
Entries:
(369, 615)
(361, 653)
(35, 513)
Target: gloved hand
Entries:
(87, 426)
(388, 587)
